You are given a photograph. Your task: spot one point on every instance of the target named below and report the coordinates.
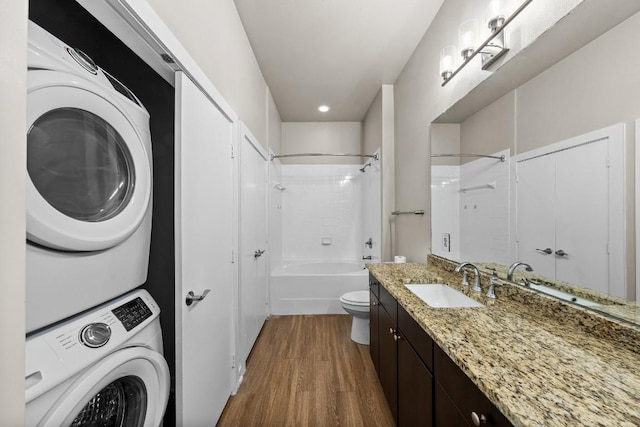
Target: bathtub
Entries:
(314, 287)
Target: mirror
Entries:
(566, 188)
(559, 208)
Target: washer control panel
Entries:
(132, 313)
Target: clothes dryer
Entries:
(102, 368)
(89, 183)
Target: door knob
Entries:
(191, 297)
(258, 253)
(561, 253)
(545, 251)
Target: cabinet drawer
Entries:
(463, 392)
(389, 303)
(413, 332)
(374, 285)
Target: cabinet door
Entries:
(415, 388)
(373, 330)
(388, 372)
(454, 385)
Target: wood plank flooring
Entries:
(306, 371)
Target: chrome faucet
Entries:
(512, 269)
(476, 279)
(369, 243)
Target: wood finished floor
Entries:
(306, 371)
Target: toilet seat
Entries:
(357, 298)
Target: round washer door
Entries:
(89, 173)
(129, 388)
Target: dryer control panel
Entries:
(132, 313)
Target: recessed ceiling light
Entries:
(323, 108)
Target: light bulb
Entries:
(495, 14)
(467, 34)
(447, 61)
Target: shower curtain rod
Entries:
(501, 158)
(279, 156)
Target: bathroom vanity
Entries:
(524, 359)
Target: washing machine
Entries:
(89, 183)
(104, 367)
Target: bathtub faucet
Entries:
(366, 257)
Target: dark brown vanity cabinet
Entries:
(423, 386)
(404, 370)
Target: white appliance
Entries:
(88, 186)
(102, 368)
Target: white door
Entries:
(570, 202)
(252, 292)
(582, 222)
(204, 242)
(536, 214)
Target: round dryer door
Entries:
(89, 174)
(129, 388)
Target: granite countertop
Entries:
(542, 362)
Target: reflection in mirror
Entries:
(559, 208)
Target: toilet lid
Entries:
(356, 298)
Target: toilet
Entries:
(357, 305)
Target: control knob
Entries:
(95, 335)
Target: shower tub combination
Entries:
(314, 287)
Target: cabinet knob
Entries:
(397, 337)
(392, 331)
(478, 420)
(372, 283)
(374, 303)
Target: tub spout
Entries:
(366, 257)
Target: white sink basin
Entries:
(441, 296)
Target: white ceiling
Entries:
(333, 52)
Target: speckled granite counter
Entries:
(542, 362)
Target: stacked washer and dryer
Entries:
(94, 343)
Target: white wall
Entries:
(13, 76)
(213, 34)
(322, 201)
(321, 137)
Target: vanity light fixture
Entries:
(324, 108)
(491, 49)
